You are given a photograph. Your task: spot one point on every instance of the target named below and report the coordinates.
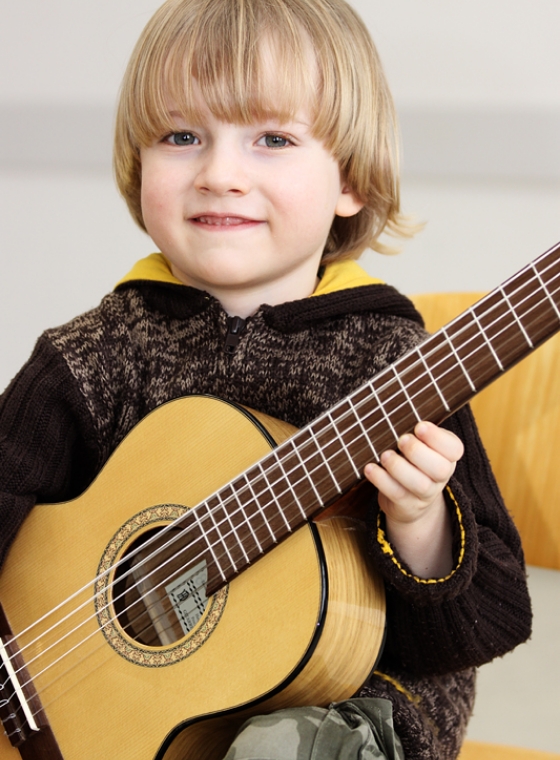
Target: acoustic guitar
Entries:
(215, 568)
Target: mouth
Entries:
(222, 220)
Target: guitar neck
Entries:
(325, 459)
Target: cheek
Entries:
(152, 192)
(156, 200)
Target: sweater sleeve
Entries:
(48, 449)
(482, 609)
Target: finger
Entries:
(441, 440)
(400, 481)
(386, 484)
(420, 457)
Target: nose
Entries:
(222, 170)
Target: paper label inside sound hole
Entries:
(187, 594)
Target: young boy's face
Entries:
(243, 211)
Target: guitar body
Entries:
(303, 625)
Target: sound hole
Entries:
(160, 588)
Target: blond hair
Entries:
(220, 44)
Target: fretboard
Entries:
(297, 480)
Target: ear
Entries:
(348, 204)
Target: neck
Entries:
(245, 300)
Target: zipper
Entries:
(236, 327)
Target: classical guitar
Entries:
(136, 621)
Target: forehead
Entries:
(276, 78)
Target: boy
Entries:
(255, 145)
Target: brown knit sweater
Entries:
(89, 382)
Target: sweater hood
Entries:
(344, 288)
(339, 275)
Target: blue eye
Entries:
(276, 141)
(181, 138)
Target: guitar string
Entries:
(455, 336)
(476, 337)
(110, 569)
(172, 524)
(395, 410)
(436, 365)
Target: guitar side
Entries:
(263, 650)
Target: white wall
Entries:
(477, 87)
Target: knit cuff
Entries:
(399, 575)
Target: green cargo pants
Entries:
(357, 729)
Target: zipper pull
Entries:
(236, 326)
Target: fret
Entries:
(473, 347)
(233, 532)
(312, 465)
(518, 321)
(321, 452)
(503, 332)
(365, 434)
(424, 403)
(253, 516)
(458, 359)
(245, 528)
(432, 378)
(373, 416)
(286, 478)
(194, 513)
(274, 499)
(276, 504)
(533, 306)
(405, 393)
(384, 413)
(212, 513)
(546, 290)
(267, 520)
(549, 269)
(339, 426)
(487, 341)
(440, 354)
(355, 441)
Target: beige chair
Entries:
(519, 421)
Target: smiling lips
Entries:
(217, 220)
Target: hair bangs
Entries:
(244, 72)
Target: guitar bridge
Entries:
(21, 712)
(15, 709)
